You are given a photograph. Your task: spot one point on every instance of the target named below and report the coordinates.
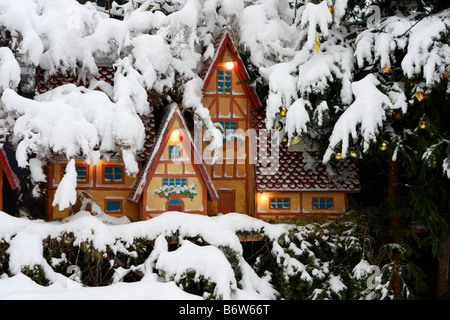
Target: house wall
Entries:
(95, 187)
(240, 194)
(232, 171)
(340, 202)
(166, 168)
(301, 203)
(156, 204)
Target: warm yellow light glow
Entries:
(263, 198)
(175, 134)
(229, 65)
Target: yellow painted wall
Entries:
(175, 168)
(301, 203)
(58, 172)
(240, 195)
(263, 205)
(157, 203)
(129, 208)
(98, 190)
(231, 171)
(339, 202)
(236, 85)
(129, 180)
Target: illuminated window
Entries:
(174, 152)
(280, 203)
(322, 203)
(113, 206)
(175, 182)
(112, 174)
(224, 82)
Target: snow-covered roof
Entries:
(300, 170)
(106, 72)
(145, 174)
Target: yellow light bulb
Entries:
(263, 198)
(424, 123)
(384, 146)
(338, 156)
(229, 65)
(296, 140)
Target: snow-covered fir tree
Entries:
(363, 79)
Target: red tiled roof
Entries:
(300, 170)
(45, 83)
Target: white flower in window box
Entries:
(168, 191)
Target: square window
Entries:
(174, 152)
(280, 203)
(112, 174)
(113, 206)
(323, 203)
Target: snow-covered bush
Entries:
(204, 256)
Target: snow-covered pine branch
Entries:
(306, 56)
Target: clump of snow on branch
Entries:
(9, 70)
(314, 17)
(367, 113)
(66, 195)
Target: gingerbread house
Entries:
(176, 174)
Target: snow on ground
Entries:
(26, 236)
(20, 287)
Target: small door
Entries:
(175, 205)
(226, 201)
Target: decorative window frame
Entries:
(104, 181)
(180, 151)
(224, 81)
(279, 198)
(326, 203)
(86, 180)
(169, 183)
(113, 200)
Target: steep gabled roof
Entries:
(222, 41)
(12, 178)
(300, 170)
(145, 174)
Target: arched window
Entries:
(175, 205)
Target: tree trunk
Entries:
(393, 192)
(442, 274)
